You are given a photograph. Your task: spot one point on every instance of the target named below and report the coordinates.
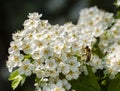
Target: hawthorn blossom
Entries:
(57, 54)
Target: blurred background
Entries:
(14, 12)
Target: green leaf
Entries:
(13, 75)
(118, 14)
(114, 84)
(86, 83)
(16, 79)
(23, 80)
(15, 83)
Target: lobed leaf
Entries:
(86, 82)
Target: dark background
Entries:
(14, 12)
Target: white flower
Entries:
(50, 64)
(32, 22)
(115, 29)
(34, 15)
(76, 45)
(96, 63)
(14, 60)
(19, 35)
(65, 68)
(98, 30)
(39, 62)
(9, 66)
(66, 47)
(26, 68)
(40, 43)
(73, 75)
(37, 54)
(47, 52)
(15, 47)
(52, 86)
(28, 46)
(40, 73)
(66, 84)
(118, 2)
(57, 89)
(52, 73)
(57, 46)
(74, 64)
(105, 39)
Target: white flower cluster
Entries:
(49, 51)
(118, 3)
(111, 46)
(92, 23)
(58, 54)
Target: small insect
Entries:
(88, 53)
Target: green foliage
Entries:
(96, 50)
(16, 79)
(13, 75)
(15, 83)
(86, 82)
(114, 84)
(118, 14)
